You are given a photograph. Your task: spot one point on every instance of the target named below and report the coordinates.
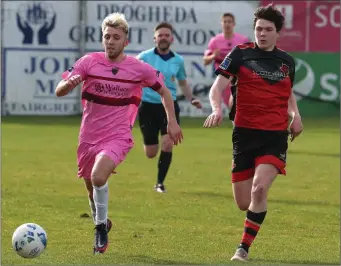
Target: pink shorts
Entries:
(116, 150)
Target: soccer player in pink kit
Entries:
(220, 45)
(111, 91)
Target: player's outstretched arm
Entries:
(216, 90)
(187, 91)
(296, 126)
(174, 130)
(65, 86)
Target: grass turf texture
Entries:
(195, 222)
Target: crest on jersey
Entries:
(226, 63)
(114, 70)
(158, 73)
(285, 69)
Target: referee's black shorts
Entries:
(252, 147)
(153, 119)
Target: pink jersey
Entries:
(224, 45)
(112, 93)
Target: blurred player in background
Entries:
(220, 45)
(112, 89)
(152, 116)
(260, 136)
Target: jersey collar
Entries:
(170, 52)
(274, 50)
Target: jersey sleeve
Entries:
(231, 64)
(181, 75)
(152, 78)
(141, 56)
(80, 67)
(211, 47)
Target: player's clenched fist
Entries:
(74, 81)
(196, 103)
(65, 86)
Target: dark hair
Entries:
(163, 25)
(271, 14)
(228, 15)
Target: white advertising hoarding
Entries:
(42, 39)
(31, 79)
(36, 50)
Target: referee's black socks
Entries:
(163, 166)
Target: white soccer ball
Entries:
(29, 240)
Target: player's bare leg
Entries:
(265, 174)
(90, 188)
(164, 160)
(151, 150)
(242, 193)
(101, 171)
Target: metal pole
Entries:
(82, 20)
(2, 19)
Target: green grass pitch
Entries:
(195, 222)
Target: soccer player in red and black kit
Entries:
(264, 77)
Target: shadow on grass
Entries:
(209, 194)
(289, 262)
(142, 259)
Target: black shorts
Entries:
(252, 147)
(153, 119)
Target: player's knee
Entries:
(97, 179)
(151, 153)
(167, 144)
(151, 150)
(259, 193)
(243, 206)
